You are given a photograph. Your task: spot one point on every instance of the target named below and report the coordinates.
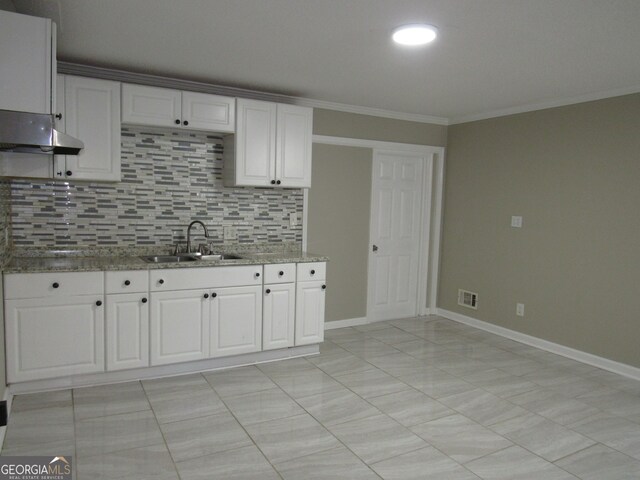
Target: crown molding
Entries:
(589, 97)
(167, 82)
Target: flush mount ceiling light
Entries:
(415, 34)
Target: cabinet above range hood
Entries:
(24, 132)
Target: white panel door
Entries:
(255, 143)
(54, 337)
(278, 324)
(127, 331)
(179, 326)
(142, 105)
(310, 300)
(92, 108)
(396, 210)
(293, 146)
(236, 320)
(201, 111)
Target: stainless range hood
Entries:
(24, 132)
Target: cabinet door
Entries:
(179, 326)
(127, 331)
(201, 111)
(93, 115)
(142, 105)
(279, 316)
(293, 146)
(310, 298)
(53, 337)
(26, 53)
(255, 145)
(236, 320)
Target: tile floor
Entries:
(406, 399)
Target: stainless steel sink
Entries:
(188, 257)
(220, 256)
(169, 258)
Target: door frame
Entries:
(431, 227)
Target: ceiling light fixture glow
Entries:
(416, 34)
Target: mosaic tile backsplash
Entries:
(5, 221)
(169, 178)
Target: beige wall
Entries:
(338, 225)
(573, 173)
(351, 125)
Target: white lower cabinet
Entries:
(310, 300)
(127, 331)
(236, 320)
(278, 320)
(54, 336)
(60, 324)
(179, 326)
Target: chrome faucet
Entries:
(206, 233)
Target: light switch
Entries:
(516, 221)
(293, 219)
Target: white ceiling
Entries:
(491, 55)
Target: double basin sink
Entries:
(189, 257)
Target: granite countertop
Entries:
(39, 261)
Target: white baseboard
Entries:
(349, 322)
(8, 397)
(572, 353)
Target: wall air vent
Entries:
(468, 299)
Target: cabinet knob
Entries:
(278, 182)
(273, 182)
(324, 287)
(59, 174)
(280, 273)
(267, 291)
(185, 122)
(313, 272)
(68, 173)
(206, 295)
(59, 116)
(144, 300)
(161, 281)
(127, 282)
(99, 303)
(214, 295)
(177, 121)
(257, 274)
(55, 285)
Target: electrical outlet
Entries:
(229, 232)
(516, 221)
(520, 309)
(293, 219)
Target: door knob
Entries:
(375, 248)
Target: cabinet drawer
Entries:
(127, 281)
(190, 278)
(36, 285)
(280, 273)
(312, 271)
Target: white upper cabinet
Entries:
(28, 59)
(271, 147)
(92, 114)
(293, 146)
(164, 107)
(201, 111)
